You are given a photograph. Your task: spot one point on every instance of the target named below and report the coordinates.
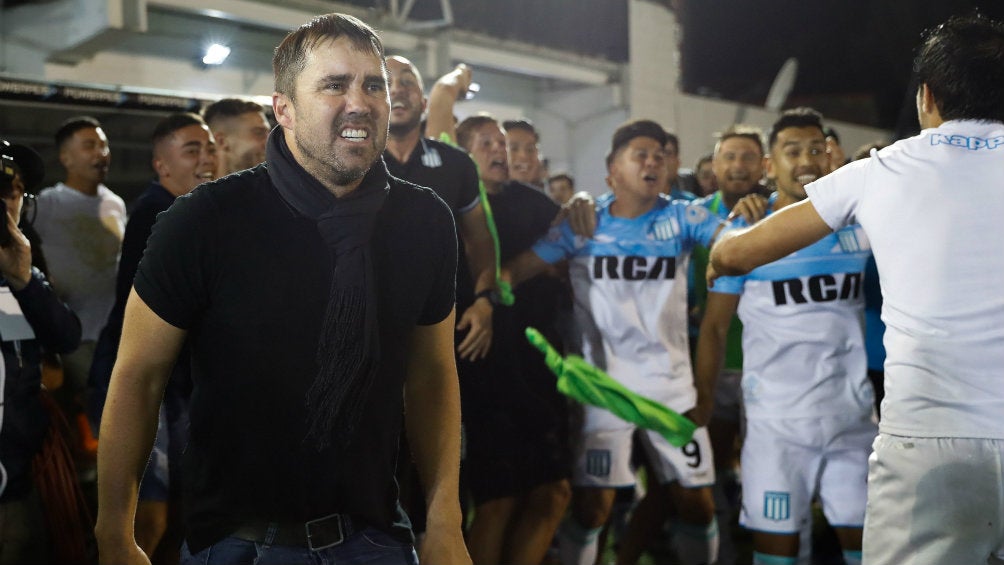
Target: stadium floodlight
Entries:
(215, 54)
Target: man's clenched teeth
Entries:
(806, 178)
(398, 104)
(208, 175)
(354, 134)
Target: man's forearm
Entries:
(128, 428)
(432, 418)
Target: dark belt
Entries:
(316, 534)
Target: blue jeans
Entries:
(368, 547)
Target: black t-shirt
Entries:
(442, 167)
(522, 216)
(452, 174)
(249, 279)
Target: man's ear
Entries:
(221, 139)
(158, 166)
(768, 167)
(285, 113)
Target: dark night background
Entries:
(855, 56)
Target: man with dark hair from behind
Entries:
(240, 129)
(184, 156)
(317, 296)
(931, 207)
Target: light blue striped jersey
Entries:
(803, 337)
(630, 286)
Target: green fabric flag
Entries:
(503, 288)
(590, 385)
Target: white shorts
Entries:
(935, 501)
(788, 461)
(603, 454)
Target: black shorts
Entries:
(516, 429)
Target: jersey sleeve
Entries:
(700, 224)
(443, 294)
(557, 244)
(837, 195)
(469, 195)
(728, 285)
(172, 278)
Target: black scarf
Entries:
(349, 346)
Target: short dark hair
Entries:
(801, 117)
(562, 176)
(465, 129)
(632, 129)
(291, 55)
(743, 131)
(229, 108)
(172, 123)
(704, 159)
(962, 63)
(523, 124)
(671, 139)
(72, 126)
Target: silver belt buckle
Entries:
(324, 532)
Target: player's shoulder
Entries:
(418, 200)
(450, 154)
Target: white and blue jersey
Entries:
(630, 287)
(803, 339)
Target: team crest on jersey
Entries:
(598, 462)
(431, 158)
(697, 214)
(851, 240)
(664, 230)
(776, 505)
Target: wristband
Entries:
(490, 294)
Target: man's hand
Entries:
(15, 259)
(701, 414)
(478, 341)
(751, 208)
(458, 80)
(580, 210)
(442, 547)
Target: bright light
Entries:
(216, 54)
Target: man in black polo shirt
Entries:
(452, 174)
(313, 289)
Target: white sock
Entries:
(578, 545)
(696, 545)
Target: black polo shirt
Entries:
(452, 175)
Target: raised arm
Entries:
(738, 252)
(147, 353)
(442, 97)
(432, 418)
